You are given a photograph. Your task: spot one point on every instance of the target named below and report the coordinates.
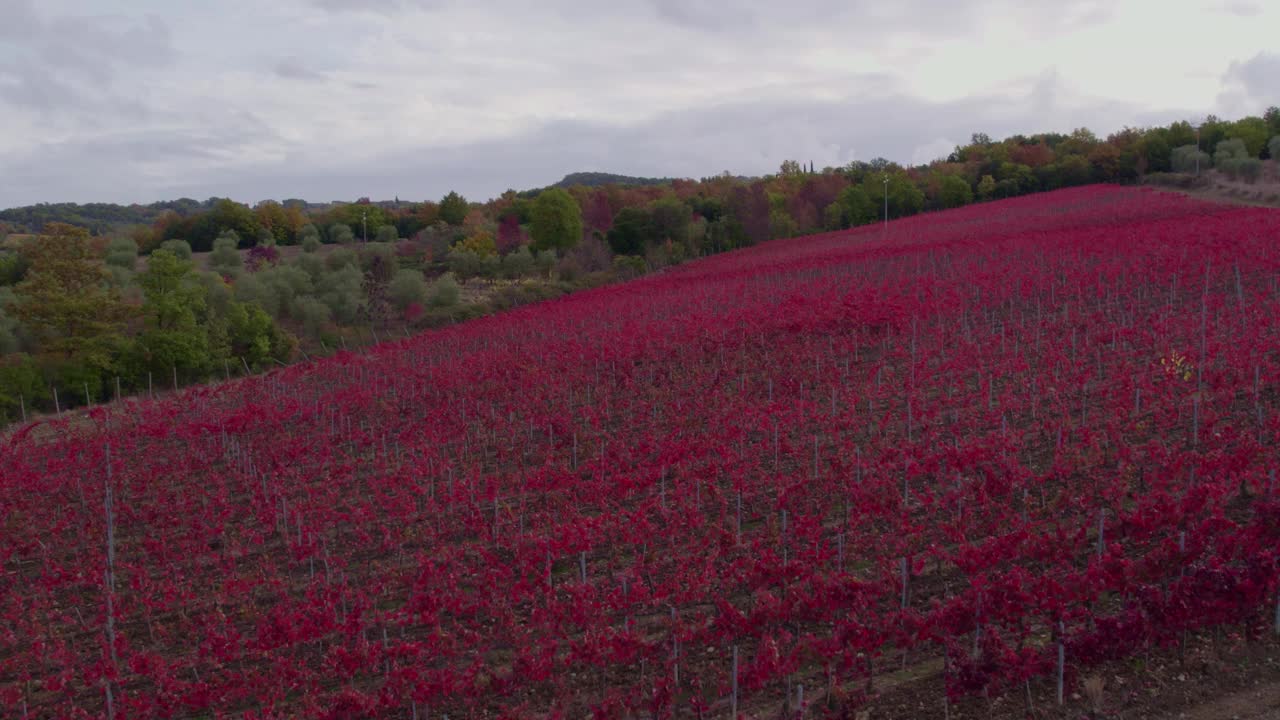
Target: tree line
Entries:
(128, 299)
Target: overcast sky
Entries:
(142, 100)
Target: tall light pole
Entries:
(1197, 151)
(886, 203)
(364, 226)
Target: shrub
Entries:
(180, 248)
(518, 264)
(314, 314)
(340, 258)
(445, 291)
(1249, 169)
(386, 234)
(628, 266)
(225, 258)
(122, 252)
(1229, 150)
(342, 291)
(407, 288)
(340, 233)
(260, 256)
(1184, 159)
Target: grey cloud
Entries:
(1259, 76)
(71, 63)
(293, 69)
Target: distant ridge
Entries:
(596, 179)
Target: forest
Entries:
(101, 300)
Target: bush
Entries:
(1228, 151)
(122, 252)
(314, 315)
(445, 291)
(379, 261)
(628, 266)
(342, 291)
(261, 256)
(225, 258)
(464, 263)
(13, 267)
(21, 388)
(311, 243)
(1273, 148)
(546, 260)
(9, 329)
(407, 288)
(312, 265)
(180, 248)
(518, 264)
(340, 258)
(309, 232)
(1184, 159)
(340, 234)
(386, 234)
(1249, 169)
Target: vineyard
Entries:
(1007, 443)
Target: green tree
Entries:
(454, 208)
(954, 192)
(1228, 150)
(631, 231)
(407, 288)
(10, 332)
(1187, 159)
(13, 267)
(1253, 132)
(22, 387)
(225, 215)
(986, 187)
(556, 222)
(180, 248)
(75, 320)
(518, 263)
(340, 234)
(905, 197)
(671, 218)
(857, 206)
(122, 252)
(445, 291)
(314, 315)
(342, 290)
(309, 238)
(173, 340)
(310, 243)
(387, 234)
(1274, 148)
(255, 338)
(225, 259)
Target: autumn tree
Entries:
(64, 303)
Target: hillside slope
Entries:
(944, 444)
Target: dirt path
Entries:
(1258, 703)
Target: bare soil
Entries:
(1216, 187)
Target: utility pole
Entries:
(364, 226)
